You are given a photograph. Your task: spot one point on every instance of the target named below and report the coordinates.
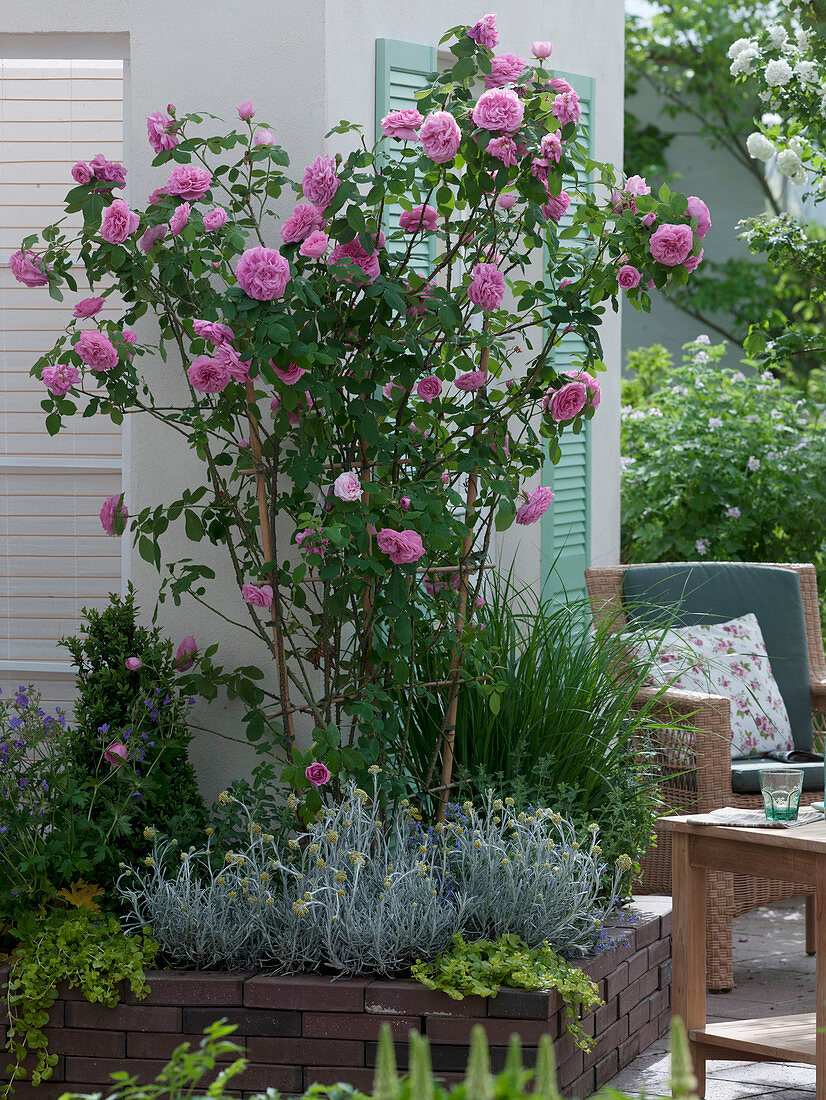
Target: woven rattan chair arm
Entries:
(696, 734)
(818, 692)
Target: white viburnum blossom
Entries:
(800, 178)
(806, 71)
(737, 47)
(759, 146)
(788, 163)
(777, 35)
(803, 37)
(764, 96)
(744, 62)
(778, 73)
(771, 118)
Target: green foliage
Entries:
(79, 946)
(725, 466)
(481, 968)
(649, 368)
(546, 718)
(145, 710)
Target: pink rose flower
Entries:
(81, 172)
(258, 597)
(484, 32)
(506, 202)
(263, 138)
(133, 663)
(60, 379)
(185, 653)
(228, 357)
(116, 754)
(262, 273)
(487, 286)
(429, 388)
(649, 219)
(314, 246)
(505, 68)
(471, 380)
(291, 375)
(559, 84)
(423, 218)
(542, 49)
(440, 136)
(540, 168)
(245, 110)
(318, 774)
(348, 487)
(591, 384)
(566, 402)
(504, 149)
(537, 503)
(693, 262)
(698, 209)
(88, 307)
(108, 171)
(213, 331)
(179, 219)
(96, 350)
(636, 185)
(157, 197)
(113, 515)
(188, 182)
(671, 244)
(628, 277)
(551, 147)
(404, 503)
(320, 181)
(556, 206)
(28, 269)
(118, 222)
(402, 125)
(303, 221)
(354, 255)
(151, 237)
(565, 107)
(498, 109)
(402, 547)
(208, 375)
(162, 132)
(215, 219)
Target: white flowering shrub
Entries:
(358, 894)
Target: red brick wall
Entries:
(298, 1030)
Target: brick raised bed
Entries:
(300, 1030)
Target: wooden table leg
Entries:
(820, 985)
(688, 945)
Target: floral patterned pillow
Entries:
(727, 659)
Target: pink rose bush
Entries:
(116, 754)
(339, 394)
(133, 663)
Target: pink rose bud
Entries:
(243, 444)
(115, 754)
(170, 108)
(185, 653)
(405, 504)
(318, 774)
(245, 110)
(445, 478)
(541, 49)
(134, 663)
(649, 219)
(263, 137)
(88, 307)
(505, 202)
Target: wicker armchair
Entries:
(696, 745)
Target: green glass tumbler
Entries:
(781, 789)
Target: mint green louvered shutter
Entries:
(566, 526)
(402, 69)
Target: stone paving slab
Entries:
(773, 976)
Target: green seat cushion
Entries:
(745, 775)
(714, 592)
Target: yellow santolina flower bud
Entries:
(269, 836)
(270, 901)
(299, 908)
(624, 863)
(387, 882)
(320, 862)
(312, 849)
(593, 828)
(362, 794)
(555, 817)
(256, 830)
(292, 802)
(148, 833)
(357, 859)
(224, 798)
(149, 861)
(332, 836)
(232, 894)
(596, 850)
(245, 882)
(509, 802)
(248, 898)
(121, 865)
(477, 843)
(575, 845)
(498, 803)
(293, 844)
(175, 842)
(467, 806)
(307, 895)
(209, 830)
(221, 881)
(341, 876)
(265, 876)
(405, 802)
(340, 893)
(374, 769)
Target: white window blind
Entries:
(55, 558)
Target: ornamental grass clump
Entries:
(357, 893)
(355, 423)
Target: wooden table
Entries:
(787, 855)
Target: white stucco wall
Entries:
(305, 66)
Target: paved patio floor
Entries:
(773, 976)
